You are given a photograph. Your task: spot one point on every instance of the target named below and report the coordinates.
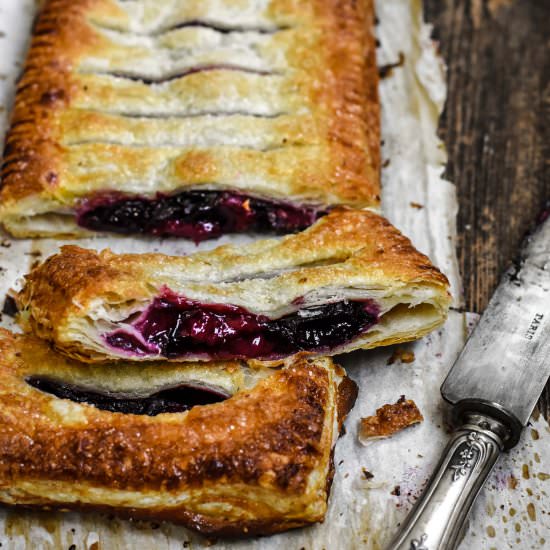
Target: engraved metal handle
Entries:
(436, 521)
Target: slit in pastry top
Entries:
(177, 399)
(264, 117)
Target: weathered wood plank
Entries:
(496, 127)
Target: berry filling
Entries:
(195, 215)
(172, 400)
(175, 327)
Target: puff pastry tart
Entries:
(249, 451)
(192, 119)
(350, 281)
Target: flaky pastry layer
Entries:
(77, 296)
(274, 99)
(256, 463)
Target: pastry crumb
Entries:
(417, 205)
(367, 474)
(387, 70)
(402, 355)
(390, 419)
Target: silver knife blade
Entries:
(506, 360)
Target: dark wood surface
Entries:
(496, 126)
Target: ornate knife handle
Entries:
(435, 522)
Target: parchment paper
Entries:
(513, 509)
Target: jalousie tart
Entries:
(256, 458)
(350, 281)
(192, 119)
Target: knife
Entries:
(493, 387)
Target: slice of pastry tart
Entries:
(192, 119)
(350, 281)
(225, 448)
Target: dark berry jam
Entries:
(172, 400)
(176, 327)
(195, 215)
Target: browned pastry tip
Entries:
(390, 419)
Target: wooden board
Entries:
(496, 127)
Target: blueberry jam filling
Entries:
(174, 326)
(172, 400)
(196, 215)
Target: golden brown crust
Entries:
(390, 419)
(353, 93)
(269, 444)
(346, 249)
(31, 153)
(332, 76)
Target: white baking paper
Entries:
(513, 509)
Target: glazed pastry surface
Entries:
(81, 300)
(258, 462)
(273, 100)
